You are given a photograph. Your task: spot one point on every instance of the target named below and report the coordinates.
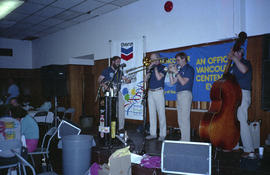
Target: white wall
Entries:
(22, 54)
(258, 17)
(190, 22)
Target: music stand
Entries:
(144, 103)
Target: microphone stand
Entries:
(144, 103)
(118, 79)
(122, 139)
(109, 108)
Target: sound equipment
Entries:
(107, 110)
(179, 157)
(266, 47)
(250, 164)
(265, 102)
(54, 78)
(66, 128)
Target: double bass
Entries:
(220, 125)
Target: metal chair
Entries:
(45, 145)
(60, 112)
(24, 163)
(8, 166)
(70, 111)
(45, 117)
(61, 109)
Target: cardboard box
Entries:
(105, 170)
(118, 166)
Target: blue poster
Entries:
(209, 63)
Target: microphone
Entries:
(122, 65)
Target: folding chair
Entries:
(60, 112)
(70, 111)
(44, 117)
(25, 164)
(12, 164)
(61, 109)
(45, 146)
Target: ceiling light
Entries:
(7, 6)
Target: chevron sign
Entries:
(127, 51)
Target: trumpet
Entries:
(170, 68)
(132, 69)
(166, 69)
(146, 63)
(131, 73)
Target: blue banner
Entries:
(209, 63)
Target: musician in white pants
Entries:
(156, 100)
(183, 75)
(242, 71)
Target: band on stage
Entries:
(181, 74)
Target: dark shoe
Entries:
(237, 150)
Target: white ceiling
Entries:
(38, 18)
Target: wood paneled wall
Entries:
(77, 77)
(81, 83)
(29, 82)
(255, 55)
(75, 85)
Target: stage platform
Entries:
(225, 163)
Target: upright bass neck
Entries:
(242, 36)
(227, 67)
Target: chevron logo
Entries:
(127, 51)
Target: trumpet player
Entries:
(183, 75)
(156, 103)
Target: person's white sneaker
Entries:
(150, 137)
(249, 155)
(161, 138)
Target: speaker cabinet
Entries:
(54, 78)
(179, 157)
(266, 74)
